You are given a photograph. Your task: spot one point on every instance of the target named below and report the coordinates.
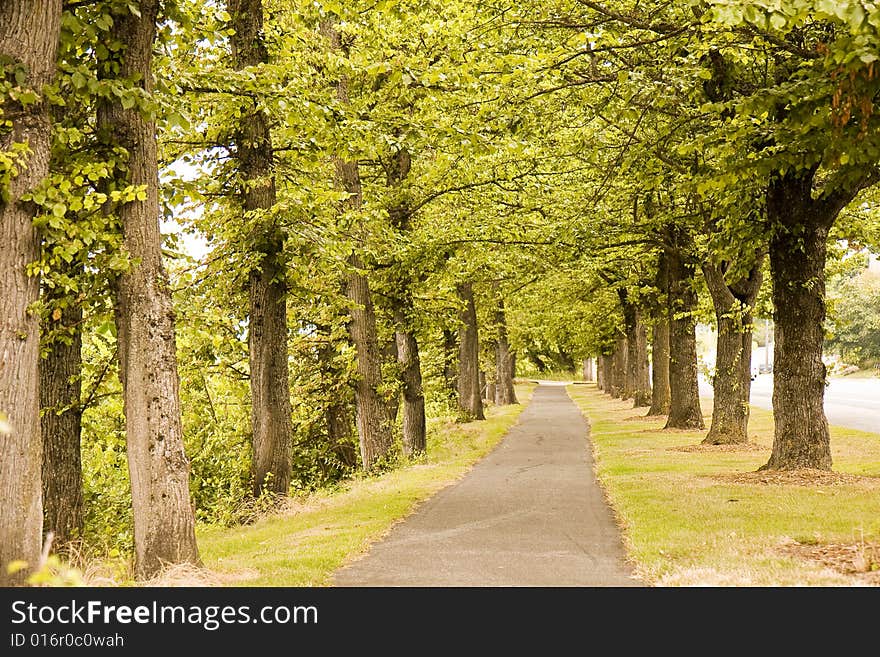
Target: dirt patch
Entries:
(739, 447)
(860, 560)
(640, 418)
(803, 477)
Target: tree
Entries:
(505, 360)
(637, 385)
(684, 404)
(401, 300)
(660, 395)
(61, 427)
(29, 36)
(374, 425)
(469, 398)
(734, 302)
(267, 294)
(809, 171)
(854, 324)
(164, 521)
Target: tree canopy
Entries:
(375, 185)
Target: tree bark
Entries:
(29, 34)
(588, 369)
(637, 385)
(797, 266)
(269, 381)
(374, 426)
(61, 425)
(389, 355)
(660, 394)
(608, 373)
(400, 214)
(164, 521)
(267, 293)
(450, 367)
(684, 404)
(338, 410)
(600, 373)
(339, 432)
(732, 382)
(414, 432)
(469, 397)
(505, 363)
(618, 368)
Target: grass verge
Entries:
(697, 515)
(315, 536)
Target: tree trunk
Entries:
(600, 373)
(660, 394)
(732, 382)
(469, 397)
(566, 361)
(374, 426)
(339, 432)
(61, 425)
(414, 434)
(388, 355)
(269, 381)
(608, 372)
(339, 398)
(684, 404)
(267, 336)
(29, 33)
(797, 266)
(588, 369)
(505, 364)
(450, 368)
(636, 382)
(164, 522)
(618, 369)
(637, 365)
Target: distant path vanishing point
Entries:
(531, 513)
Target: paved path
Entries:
(528, 514)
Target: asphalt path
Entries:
(852, 403)
(531, 513)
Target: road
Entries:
(852, 403)
(531, 513)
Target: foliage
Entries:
(854, 327)
(551, 149)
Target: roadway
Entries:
(853, 403)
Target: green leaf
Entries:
(777, 21)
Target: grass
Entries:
(697, 516)
(868, 373)
(315, 536)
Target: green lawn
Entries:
(694, 515)
(304, 545)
